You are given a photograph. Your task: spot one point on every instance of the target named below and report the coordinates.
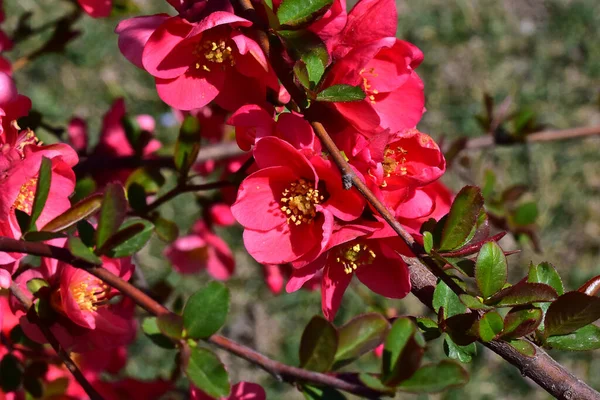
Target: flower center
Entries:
(26, 195)
(298, 201)
(367, 87)
(355, 255)
(90, 294)
(393, 162)
(213, 52)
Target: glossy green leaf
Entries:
(206, 310)
(187, 146)
(42, 189)
(318, 345)
(444, 297)
(463, 328)
(462, 218)
(522, 293)
(570, 312)
(81, 251)
(473, 302)
(359, 336)
(490, 269)
(402, 352)
(524, 347)
(34, 285)
(151, 329)
(428, 242)
(83, 209)
(429, 328)
(463, 354)
(112, 213)
(136, 195)
(547, 274)
(170, 325)
(435, 378)
(131, 238)
(489, 326)
(520, 322)
(165, 229)
(207, 373)
(297, 12)
(583, 339)
(373, 381)
(341, 93)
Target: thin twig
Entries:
(62, 354)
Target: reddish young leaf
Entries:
(571, 311)
(520, 322)
(462, 218)
(521, 294)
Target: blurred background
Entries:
(539, 60)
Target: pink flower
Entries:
(384, 69)
(288, 206)
(86, 317)
(239, 391)
(201, 249)
(194, 63)
(96, 8)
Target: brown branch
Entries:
(542, 369)
(286, 372)
(537, 137)
(62, 354)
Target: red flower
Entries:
(194, 63)
(239, 391)
(288, 206)
(384, 69)
(201, 249)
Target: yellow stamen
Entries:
(298, 202)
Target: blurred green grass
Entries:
(545, 54)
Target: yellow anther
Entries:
(299, 200)
(354, 255)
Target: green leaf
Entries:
(429, 328)
(150, 180)
(151, 329)
(547, 274)
(83, 209)
(11, 373)
(359, 336)
(131, 238)
(402, 352)
(170, 325)
(112, 213)
(583, 339)
(81, 251)
(206, 310)
(42, 189)
(489, 326)
(444, 297)
(462, 218)
(521, 294)
(83, 188)
(187, 146)
(520, 322)
(463, 328)
(34, 285)
(428, 242)
(341, 93)
(526, 214)
(133, 132)
(207, 373)
(318, 345)
(473, 302)
(86, 232)
(321, 393)
(165, 229)
(316, 60)
(463, 354)
(22, 219)
(297, 12)
(524, 347)
(490, 269)
(136, 195)
(571, 311)
(373, 381)
(41, 236)
(435, 378)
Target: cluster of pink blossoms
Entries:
(294, 209)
